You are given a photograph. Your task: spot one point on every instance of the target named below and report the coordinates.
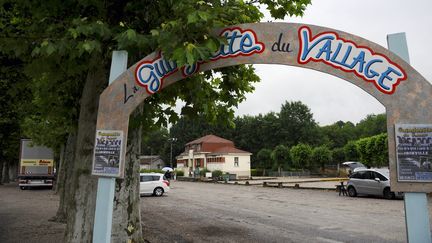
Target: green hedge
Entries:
(152, 171)
(256, 172)
(217, 173)
(203, 172)
(179, 173)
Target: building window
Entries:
(236, 161)
(198, 162)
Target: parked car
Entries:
(353, 166)
(371, 182)
(153, 183)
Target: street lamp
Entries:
(171, 140)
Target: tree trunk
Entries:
(5, 178)
(82, 186)
(59, 182)
(13, 170)
(63, 188)
(126, 216)
(57, 161)
(1, 170)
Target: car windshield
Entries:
(386, 173)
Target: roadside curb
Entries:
(275, 184)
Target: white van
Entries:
(153, 183)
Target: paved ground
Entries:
(24, 215)
(207, 212)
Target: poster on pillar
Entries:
(108, 153)
(414, 152)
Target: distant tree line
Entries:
(286, 140)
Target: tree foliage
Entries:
(66, 45)
(373, 150)
(13, 99)
(281, 157)
(296, 123)
(264, 159)
(301, 155)
(351, 152)
(321, 156)
(338, 155)
(372, 125)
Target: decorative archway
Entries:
(406, 95)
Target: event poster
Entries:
(414, 152)
(107, 153)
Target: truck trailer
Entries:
(36, 168)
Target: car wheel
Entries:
(388, 194)
(352, 191)
(22, 187)
(158, 191)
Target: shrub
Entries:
(256, 172)
(217, 173)
(203, 172)
(179, 173)
(152, 171)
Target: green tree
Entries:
(338, 155)
(66, 47)
(351, 152)
(321, 156)
(339, 133)
(301, 155)
(373, 150)
(13, 98)
(372, 125)
(156, 142)
(363, 148)
(297, 124)
(281, 157)
(381, 145)
(264, 159)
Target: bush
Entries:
(179, 173)
(217, 173)
(256, 172)
(203, 172)
(152, 171)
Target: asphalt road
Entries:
(206, 212)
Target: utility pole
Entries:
(172, 140)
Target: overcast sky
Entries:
(332, 99)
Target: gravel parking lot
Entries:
(207, 212)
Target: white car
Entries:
(371, 182)
(153, 183)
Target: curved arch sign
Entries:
(406, 95)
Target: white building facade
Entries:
(214, 153)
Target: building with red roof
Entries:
(214, 153)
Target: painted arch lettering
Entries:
(151, 74)
(326, 47)
(329, 48)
